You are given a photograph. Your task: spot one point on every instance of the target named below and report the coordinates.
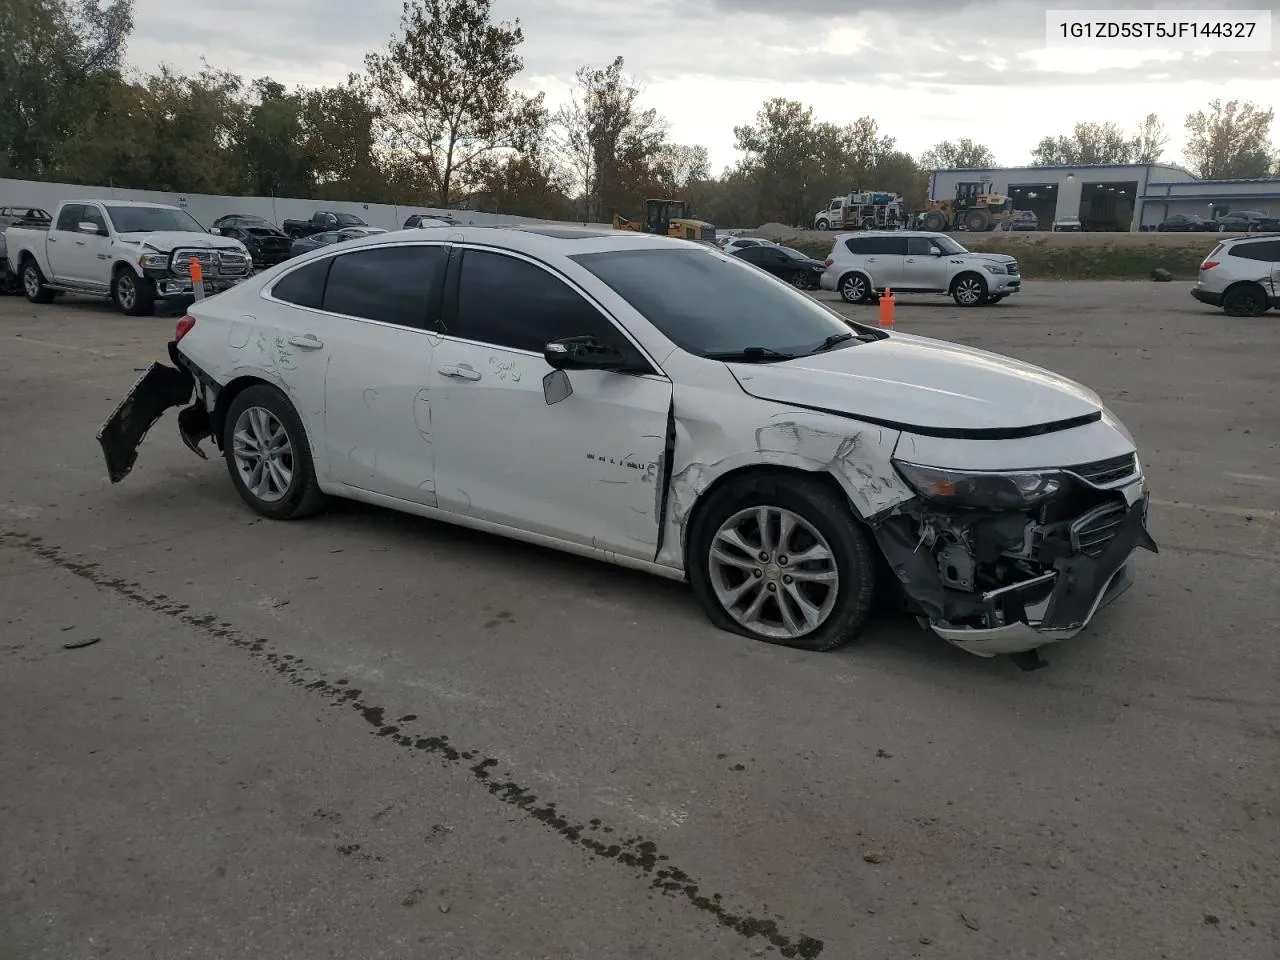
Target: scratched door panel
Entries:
(584, 469)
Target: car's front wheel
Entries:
(823, 225)
(781, 558)
(134, 296)
(268, 455)
(969, 290)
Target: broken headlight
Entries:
(982, 491)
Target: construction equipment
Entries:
(975, 207)
(863, 210)
(668, 218)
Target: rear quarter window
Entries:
(304, 286)
(1267, 251)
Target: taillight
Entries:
(184, 327)
(828, 261)
(1208, 264)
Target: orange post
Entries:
(886, 308)
(197, 278)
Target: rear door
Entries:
(63, 242)
(883, 258)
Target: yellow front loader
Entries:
(668, 218)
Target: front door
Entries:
(582, 468)
(921, 268)
(93, 251)
(384, 303)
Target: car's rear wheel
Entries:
(1245, 300)
(969, 290)
(33, 283)
(781, 558)
(855, 288)
(268, 455)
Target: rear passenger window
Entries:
(399, 285)
(304, 286)
(1267, 252)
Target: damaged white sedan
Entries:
(659, 405)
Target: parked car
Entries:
(430, 220)
(321, 221)
(317, 240)
(1067, 225)
(267, 244)
(741, 243)
(861, 265)
(1242, 276)
(785, 263)
(24, 217)
(1021, 220)
(134, 253)
(1247, 221)
(1186, 223)
(670, 409)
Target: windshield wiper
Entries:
(751, 355)
(831, 341)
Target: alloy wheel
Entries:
(969, 291)
(263, 454)
(773, 572)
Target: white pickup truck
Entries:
(134, 253)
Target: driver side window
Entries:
(921, 247)
(508, 302)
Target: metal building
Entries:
(1122, 197)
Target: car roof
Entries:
(1269, 235)
(544, 240)
(128, 203)
(890, 233)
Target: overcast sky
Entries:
(927, 70)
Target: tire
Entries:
(33, 284)
(823, 225)
(301, 495)
(800, 279)
(977, 221)
(1245, 300)
(813, 507)
(855, 287)
(969, 290)
(935, 221)
(134, 296)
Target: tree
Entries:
(784, 152)
(271, 142)
(54, 56)
(679, 167)
(958, 155)
(443, 91)
(1230, 141)
(1149, 142)
(1090, 143)
(340, 140)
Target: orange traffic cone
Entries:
(886, 308)
(197, 278)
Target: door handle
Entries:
(79, 243)
(309, 342)
(53, 239)
(460, 372)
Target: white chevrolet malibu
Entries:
(658, 404)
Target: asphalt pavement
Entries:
(370, 735)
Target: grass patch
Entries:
(1045, 259)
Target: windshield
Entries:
(709, 305)
(350, 220)
(947, 245)
(152, 219)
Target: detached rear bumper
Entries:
(1206, 296)
(160, 388)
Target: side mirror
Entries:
(88, 226)
(582, 353)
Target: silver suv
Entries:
(1242, 276)
(861, 265)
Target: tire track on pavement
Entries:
(637, 853)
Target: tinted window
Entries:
(889, 246)
(1268, 252)
(399, 285)
(350, 220)
(712, 304)
(858, 245)
(304, 286)
(752, 254)
(70, 217)
(92, 215)
(512, 303)
(919, 247)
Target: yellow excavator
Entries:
(975, 208)
(668, 218)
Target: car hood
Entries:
(987, 257)
(166, 241)
(926, 386)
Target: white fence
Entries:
(207, 208)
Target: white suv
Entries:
(863, 264)
(1242, 276)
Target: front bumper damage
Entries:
(1010, 583)
(160, 388)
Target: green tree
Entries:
(271, 142)
(340, 143)
(444, 95)
(1089, 143)
(1150, 140)
(679, 167)
(784, 150)
(54, 56)
(1230, 141)
(963, 154)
